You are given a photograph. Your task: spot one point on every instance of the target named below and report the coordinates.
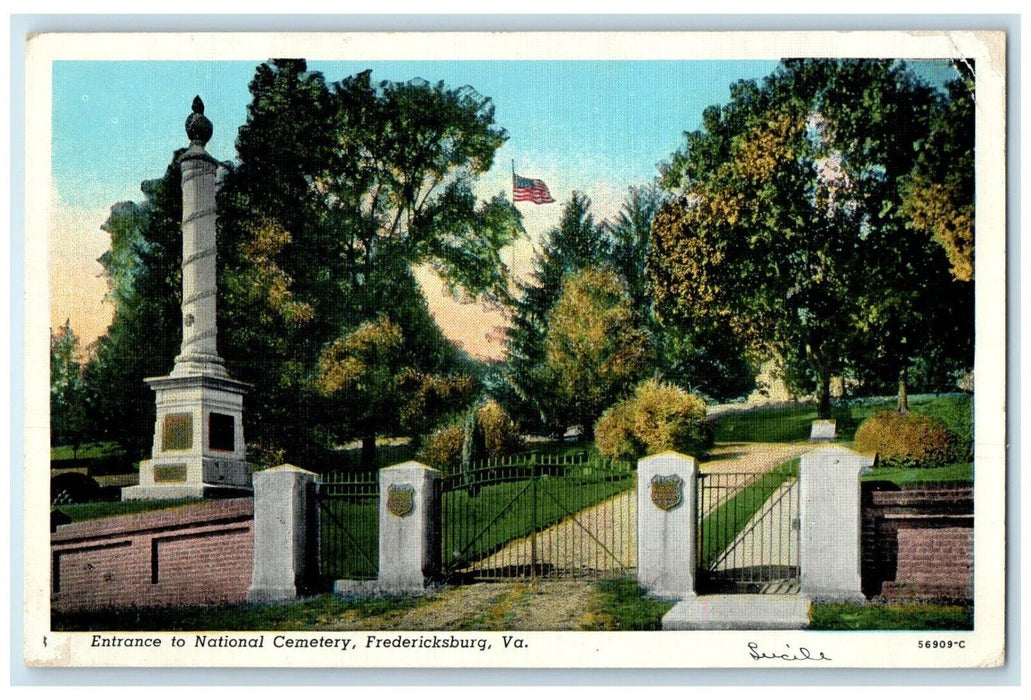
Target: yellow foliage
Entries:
(349, 364)
(905, 439)
(658, 417)
(267, 240)
(500, 433)
(443, 448)
(758, 155)
(934, 207)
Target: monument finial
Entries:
(198, 127)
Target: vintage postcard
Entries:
(516, 350)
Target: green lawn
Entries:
(93, 451)
(961, 472)
(349, 536)
(793, 423)
(107, 509)
(477, 522)
(890, 616)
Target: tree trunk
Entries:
(823, 410)
(903, 392)
(369, 452)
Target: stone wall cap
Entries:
(665, 455)
(289, 468)
(844, 452)
(410, 464)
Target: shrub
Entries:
(614, 433)
(657, 417)
(442, 449)
(500, 433)
(486, 432)
(906, 440)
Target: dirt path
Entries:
(751, 456)
(555, 605)
(515, 605)
(604, 537)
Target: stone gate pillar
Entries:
(409, 527)
(666, 524)
(285, 534)
(830, 549)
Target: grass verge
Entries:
(623, 606)
(109, 509)
(312, 614)
(890, 616)
(792, 423)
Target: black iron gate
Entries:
(747, 532)
(348, 506)
(539, 516)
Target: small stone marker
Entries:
(823, 431)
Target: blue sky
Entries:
(595, 126)
(117, 123)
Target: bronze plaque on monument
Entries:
(178, 432)
(170, 474)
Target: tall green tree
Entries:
(144, 282)
(359, 373)
(699, 357)
(596, 347)
(789, 199)
(68, 410)
(575, 244)
(939, 193)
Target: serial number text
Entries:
(941, 644)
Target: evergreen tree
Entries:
(68, 410)
(575, 244)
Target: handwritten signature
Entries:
(801, 654)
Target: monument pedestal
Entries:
(199, 449)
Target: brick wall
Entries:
(918, 543)
(198, 554)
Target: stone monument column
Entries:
(198, 353)
(199, 450)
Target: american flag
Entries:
(526, 190)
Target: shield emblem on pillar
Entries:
(667, 491)
(400, 499)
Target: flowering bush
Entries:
(659, 416)
(442, 449)
(905, 440)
